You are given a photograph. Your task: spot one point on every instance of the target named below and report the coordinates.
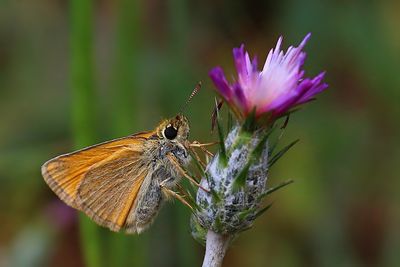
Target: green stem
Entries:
(83, 110)
(126, 250)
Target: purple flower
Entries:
(274, 90)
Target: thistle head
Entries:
(236, 186)
(272, 91)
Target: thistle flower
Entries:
(235, 178)
(274, 90)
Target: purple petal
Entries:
(302, 55)
(295, 54)
(240, 62)
(278, 45)
(315, 86)
(305, 40)
(283, 103)
(240, 97)
(304, 92)
(254, 64)
(286, 97)
(218, 77)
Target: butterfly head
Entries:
(175, 129)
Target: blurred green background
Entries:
(73, 73)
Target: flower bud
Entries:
(236, 186)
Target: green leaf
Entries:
(256, 153)
(215, 197)
(242, 215)
(271, 149)
(240, 180)
(190, 199)
(218, 223)
(243, 138)
(218, 105)
(245, 228)
(223, 159)
(276, 188)
(197, 163)
(250, 122)
(230, 121)
(288, 112)
(281, 153)
(283, 127)
(198, 232)
(260, 212)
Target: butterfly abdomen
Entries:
(151, 197)
(147, 209)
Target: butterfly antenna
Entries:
(194, 92)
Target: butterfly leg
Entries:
(198, 144)
(183, 172)
(202, 147)
(182, 190)
(198, 159)
(171, 182)
(169, 192)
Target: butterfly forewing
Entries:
(109, 189)
(102, 180)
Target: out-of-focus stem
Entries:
(82, 107)
(82, 89)
(126, 250)
(126, 65)
(216, 247)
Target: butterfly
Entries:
(121, 184)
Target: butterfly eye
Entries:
(170, 132)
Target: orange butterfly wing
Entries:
(102, 180)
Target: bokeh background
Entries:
(73, 73)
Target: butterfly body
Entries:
(121, 184)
